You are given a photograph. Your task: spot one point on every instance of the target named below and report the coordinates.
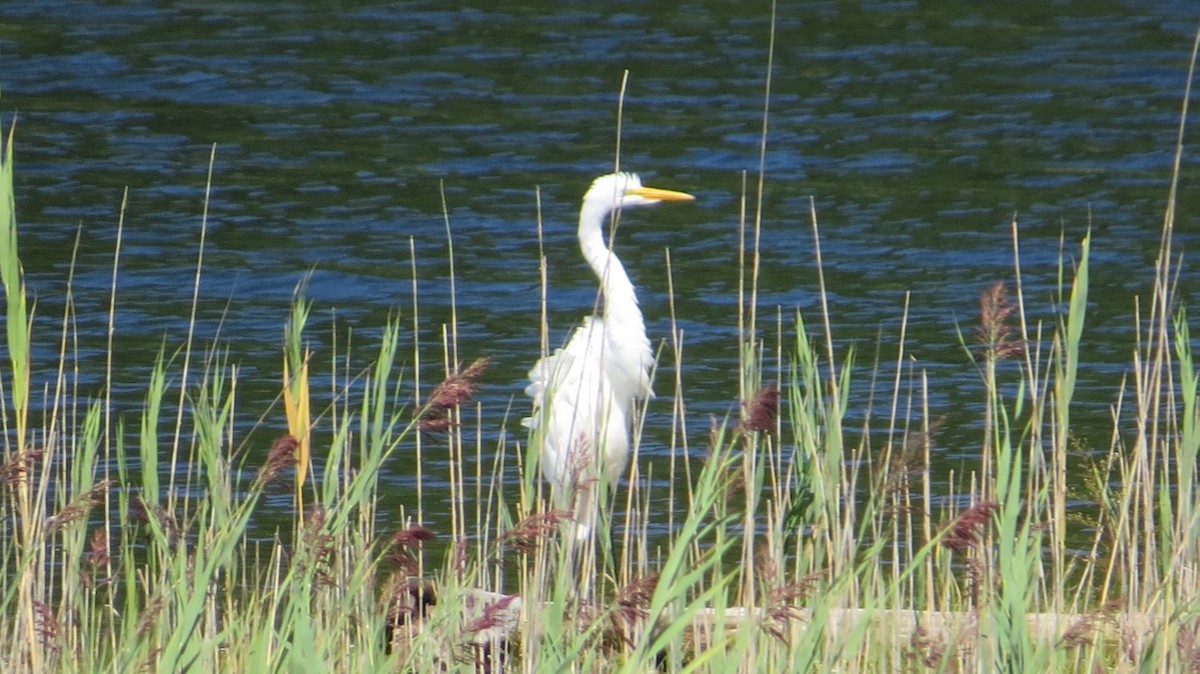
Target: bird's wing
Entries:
(573, 410)
(570, 375)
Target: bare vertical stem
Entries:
(106, 436)
(191, 331)
(416, 376)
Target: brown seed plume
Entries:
(995, 334)
(529, 532)
(492, 616)
(408, 602)
(79, 507)
(97, 559)
(281, 457)
(1086, 627)
(925, 649)
(47, 626)
(14, 470)
(759, 413)
(452, 392)
(411, 537)
(964, 532)
(148, 512)
(149, 617)
(316, 547)
(405, 544)
(458, 558)
(780, 600)
(631, 607)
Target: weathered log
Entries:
(491, 620)
(945, 626)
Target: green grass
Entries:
(798, 544)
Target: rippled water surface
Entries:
(918, 131)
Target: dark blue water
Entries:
(918, 130)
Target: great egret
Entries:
(583, 393)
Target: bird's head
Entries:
(622, 190)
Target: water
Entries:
(918, 130)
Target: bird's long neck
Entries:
(620, 298)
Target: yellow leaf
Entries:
(296, 406)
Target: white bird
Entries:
(583, 393)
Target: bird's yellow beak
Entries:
(656, 194)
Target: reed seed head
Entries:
(149, 617)
(451, 393)
(925, 649)
(404, 545)
(316, 549)
(79, 507)
(17, 467)
(281, 457)
(47, 626)
(458, 561)
(965, 531)
(148, 512)
(409, 600)
(995, 334)
(1081, 633)
(97, 559)
(780, 600)
(411, 537)
(760, 412)
(531, 531)
(495, 616)
(631, 607)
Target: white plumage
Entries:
(583, 393)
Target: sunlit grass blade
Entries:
(16, 309)
(296, 399)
